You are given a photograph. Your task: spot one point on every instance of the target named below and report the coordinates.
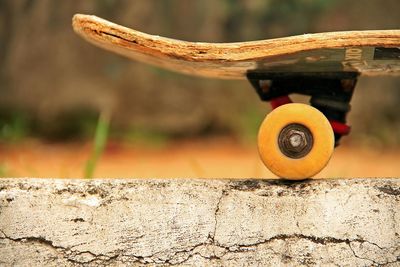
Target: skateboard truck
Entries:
(330, 92)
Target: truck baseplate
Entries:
(330, 92)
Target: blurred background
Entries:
(155, 123)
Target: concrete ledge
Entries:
(199, 222)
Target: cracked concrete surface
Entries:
(199, 222)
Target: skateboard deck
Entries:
(374, 52)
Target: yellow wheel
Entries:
(295, 141)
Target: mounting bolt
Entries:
(265, 85)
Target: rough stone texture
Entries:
(199, 222)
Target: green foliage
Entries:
(76, 123)
(14, 127)
(100, 140)
(146, 137)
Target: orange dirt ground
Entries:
(216, 158)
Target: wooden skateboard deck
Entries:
(365, 52)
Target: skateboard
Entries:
(295, 141)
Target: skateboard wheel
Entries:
(295, 141)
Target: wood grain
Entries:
(222, 60)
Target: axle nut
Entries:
(295, 141)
